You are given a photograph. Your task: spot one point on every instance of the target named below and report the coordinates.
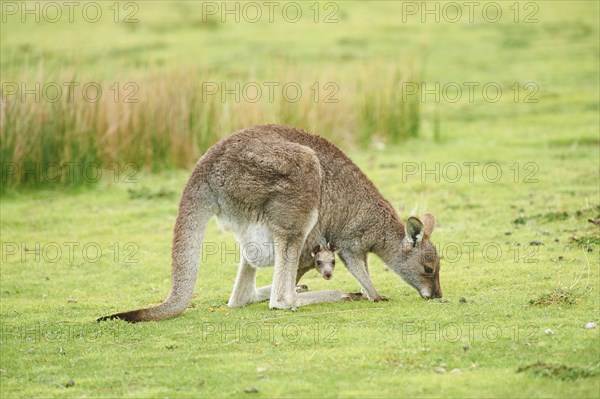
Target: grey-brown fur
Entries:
(324, 259)
(255, 182)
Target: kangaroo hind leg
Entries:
(244, 288)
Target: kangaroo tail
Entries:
(195, 209)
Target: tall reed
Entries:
(168, 119)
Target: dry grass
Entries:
(168, 119)
(559, 296)
(560, 371)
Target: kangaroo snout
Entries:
(426, 293)
(327, 275)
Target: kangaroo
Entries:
(255, 182)
(324, 259)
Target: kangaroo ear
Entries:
(428, 224)
(332, 247)
(316, 250)
(414, 231)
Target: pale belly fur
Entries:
(255, 241)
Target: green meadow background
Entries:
(489, 121)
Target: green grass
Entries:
(562, 372)
(496, 344)
(362, 349)
(558, 296)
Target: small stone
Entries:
(251, 390)
(466, 347)
(590, 325)
(31, 350)
(590, 249)
(72, 300)
(69, 383)
(170, 347)
(536, 243)
(548, 331)
(462, 299)
(507, 233)
(440, 370)
(62, 350)
(454, 371)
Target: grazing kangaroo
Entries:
(255, 182)
(324, 259)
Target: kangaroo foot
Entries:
(353, 296)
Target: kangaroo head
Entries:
(324, 258)
(416, 260)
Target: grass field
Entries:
(512, 184)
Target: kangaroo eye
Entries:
(319, 263)
(428, 270)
